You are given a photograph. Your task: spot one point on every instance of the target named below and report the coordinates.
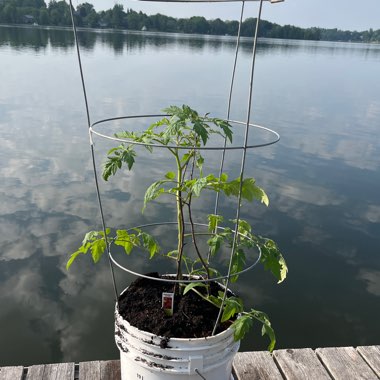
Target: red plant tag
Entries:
(168, 303)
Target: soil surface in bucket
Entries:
(193, 317)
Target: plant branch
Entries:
(205, 266)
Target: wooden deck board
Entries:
(99, 370)
(61, 371)
(89, 370)
(371, 354)
(255, 366)
(65, 371)
(11, 373)
(300, 364)
(345, 363)
(110, 369)
(35, 372)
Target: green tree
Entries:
(92, 19)
(59, 13)
(232, 28)
(198, 24)
(133, 20)
(248, 27)
(43, 18)
(118, 15)
(10, 13)
(218, 27)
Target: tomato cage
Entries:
(96, 130)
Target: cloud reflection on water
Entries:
(372, 280)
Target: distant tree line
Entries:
(57, 13)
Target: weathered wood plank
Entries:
(255, 366)
(66, 371)
(11, 373)
(345, 363)
(35, 372)
(89, 370)
(371, 355)
(61, 371)
(50, 372)
(300, 364)
(110, 370)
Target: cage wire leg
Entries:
(92, 149)
(229, 109)
(242, 167)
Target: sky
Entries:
(342, 14)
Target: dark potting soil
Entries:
(193, 317)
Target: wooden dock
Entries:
(343, 363)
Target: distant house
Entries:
(28, 19)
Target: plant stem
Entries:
(204, 297)
(180, 221)
(204, 264)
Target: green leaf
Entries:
(226, 128)
(238, 263)
(266, 328)
(124, 135)
(173, 254)
(201, 131)
(215, 243)
(93, 240)
(249, 190)
(170, 175)
(126, 240)
(192, 285)
(150, 244)
(198, 185)
(232, 306)
(241, 326)
(89, 237)
(273, 260)
(153, 191)
(199, 162)
(224, 177)
(213, 221)
(171, 130)
(244, 323)
(81, 250)
(186, 157)
(121, 154)
(108, 230)
(244, 227)
(97, 249)
(232, 187)
(172, 110)
(215, 300)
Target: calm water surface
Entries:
(323, 179)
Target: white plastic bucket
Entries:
(142, 358)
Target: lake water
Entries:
(323, 180)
